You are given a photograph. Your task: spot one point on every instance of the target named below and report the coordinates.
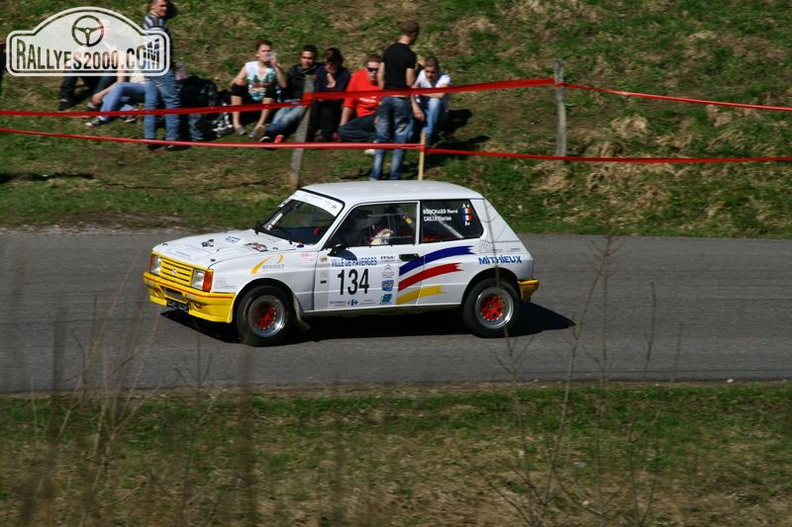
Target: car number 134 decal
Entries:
(353, 281)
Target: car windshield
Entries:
(299, 220)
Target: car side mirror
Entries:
(337, 248)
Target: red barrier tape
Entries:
(679, 99)
(481, 86)
(609, 159)
(267, 146)
(119, 113)
(400, 146)
(309, 97)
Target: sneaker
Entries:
(176, 148)
(222, 127)
(93, 123)
(64, 105)
(90, 108)
(129, 119)
(370, 152)
(258, 133)
(278, 138)
(240, 130)
(265, 139)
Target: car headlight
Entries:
(155, 264)
(202, 279)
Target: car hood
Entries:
(205, 250)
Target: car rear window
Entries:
(448, 220)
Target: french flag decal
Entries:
(467, 213)
(408, 278)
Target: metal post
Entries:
(561, 135)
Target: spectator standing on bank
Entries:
(359, 114)
(161, 87)
(432, 108)
(395, 113)
(286, 120)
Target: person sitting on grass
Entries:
(359, 114)
(257, 82)
(286, 120)
(121, 96)
(331, 76)
(432, 108)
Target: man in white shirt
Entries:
(432, 108)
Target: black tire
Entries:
(491, 308)
(264, 316)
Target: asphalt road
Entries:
(74, 313)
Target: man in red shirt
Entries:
(358, 114)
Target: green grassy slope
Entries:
(735, 51)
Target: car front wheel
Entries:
(264, 316)
(491, 308)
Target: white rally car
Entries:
(351, 248)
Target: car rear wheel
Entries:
(264, 316)
(491, 308)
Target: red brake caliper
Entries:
(492, 307)
(266, 318)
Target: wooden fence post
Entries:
(561, 135)
(300, 136)
(422, 156)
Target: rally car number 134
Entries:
(351, 248)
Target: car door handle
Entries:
(408, 257)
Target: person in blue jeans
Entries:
(121, 97)
(395, 113)
(286, 120)
(432, 107)
(394, 125)
(161, 88)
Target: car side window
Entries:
(448, 220)
(379, 224)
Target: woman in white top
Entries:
(256, 83)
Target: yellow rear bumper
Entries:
(527, 289)
(214, 307)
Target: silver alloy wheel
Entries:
(267, 316)
(494, 307)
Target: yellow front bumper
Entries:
(214, 307)
(527, 289)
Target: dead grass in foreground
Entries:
(493, 455)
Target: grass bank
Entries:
(716, 50)
(623, 455)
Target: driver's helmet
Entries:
(364, 219)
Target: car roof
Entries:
(352, 192)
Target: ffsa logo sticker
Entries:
(87, 41)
